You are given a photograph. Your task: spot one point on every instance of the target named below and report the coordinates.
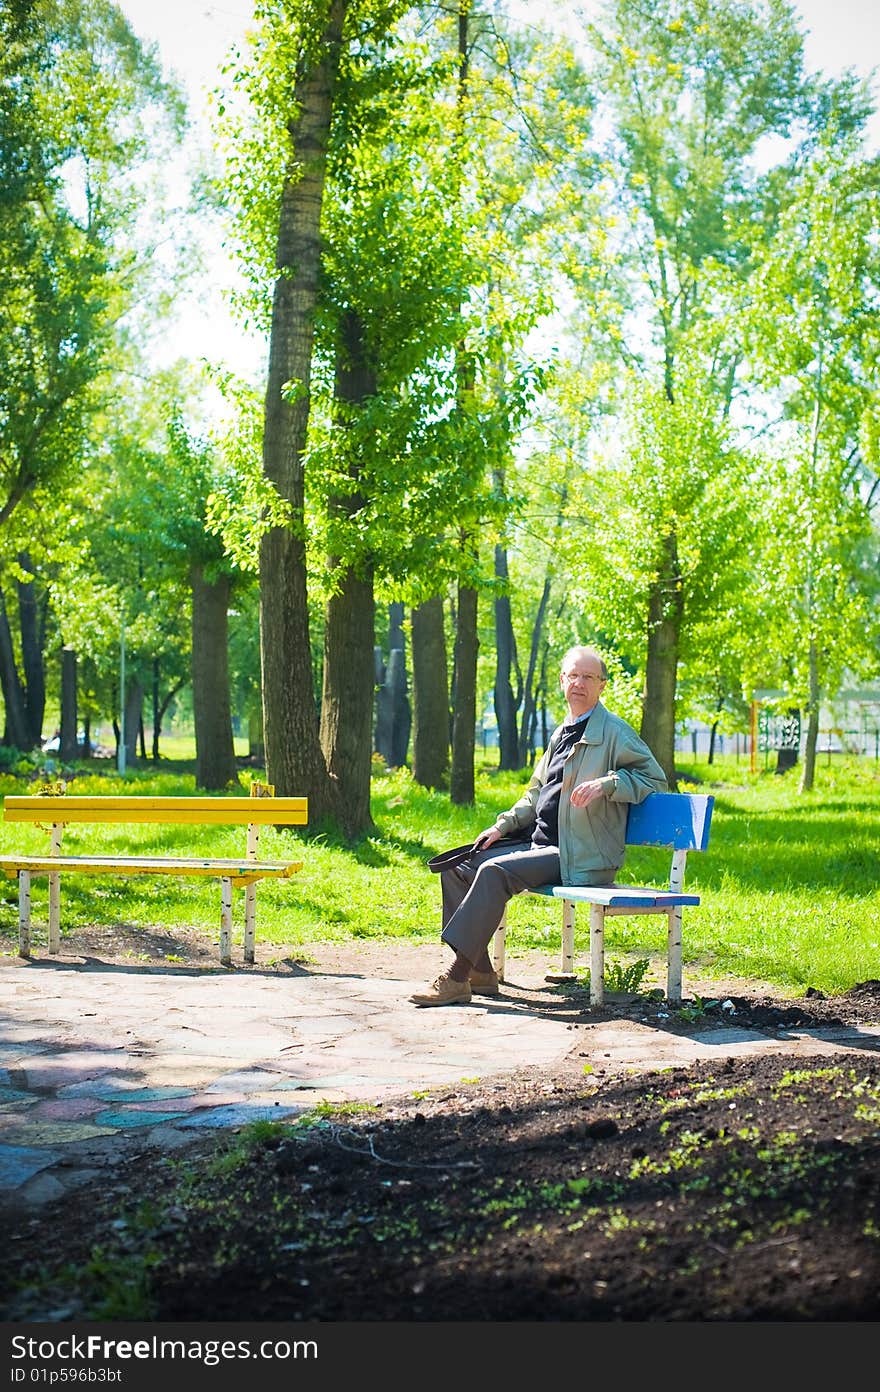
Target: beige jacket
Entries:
(592, 839)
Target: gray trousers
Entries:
(476, 893)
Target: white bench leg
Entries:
(226, 921)
(567, 937)
(55, 892)
(250, 893)
(250, 921)
(24, 913)
(498, 953)
(673, 956)
(54, 911)
(673, 944)
(597, 954)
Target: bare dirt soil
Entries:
(744, 1190)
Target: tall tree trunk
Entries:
(430, 694)
(401, 711)
(16, 731)
(464, 716)
(529, 722)
(161, 710)
(157, 718)
(393, 712)
(347, 703)
(212, 714)
(507, 703)
(349, 626)
(32, 609)
(294, 761)
(464, 678)
(69, 717)
(134, 708)
(665, 612)
(808, 773)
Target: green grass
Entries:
(790, 884)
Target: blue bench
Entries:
(678, 821)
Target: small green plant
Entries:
(626, 978)
(697, 1010)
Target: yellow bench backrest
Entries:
(197, 811)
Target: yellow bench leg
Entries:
(226, 921)
(55, 892)
(249, 922)
(54, 912)
(24, 913)
(250, 892)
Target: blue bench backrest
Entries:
(678, 820)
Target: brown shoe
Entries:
(484, 983)
(443, 991)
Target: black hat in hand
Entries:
(447, 859)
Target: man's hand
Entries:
(487, 838)
(588, 792)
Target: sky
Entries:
(194, 36)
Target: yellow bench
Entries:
(55, 812)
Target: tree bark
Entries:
(347, 703)
(294, 761)
(16, 731)
(507, 703)
(346, 731)
(32, 609)
(430, 695)
(215, 750)
(157, 718)
(665, 612)
(69, 716)
(464, 715)
(401, 711)
(808, 773)
(134, 706)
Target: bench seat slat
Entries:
(153, 865)
(628, 896)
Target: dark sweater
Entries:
(546, 832)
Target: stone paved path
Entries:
(98, 1060)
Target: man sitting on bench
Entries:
(569, 827)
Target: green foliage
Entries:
(82, 104)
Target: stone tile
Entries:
(123, 1120)
(245, 1080)
(19, 1163)
(53, 1133)
(62, 1071)
(44, 1188)
(194, 1100)
(241, 1115)
(69, 1109)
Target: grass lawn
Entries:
(790, 884)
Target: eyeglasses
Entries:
(583, 676)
